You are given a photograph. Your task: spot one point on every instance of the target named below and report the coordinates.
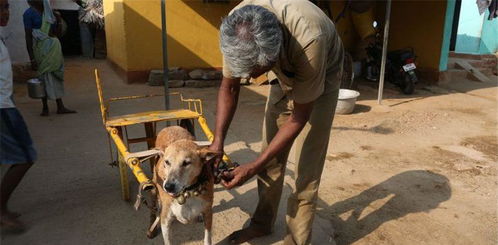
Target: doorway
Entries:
(472, 32)
(71, 41)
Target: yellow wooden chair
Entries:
(116, 125)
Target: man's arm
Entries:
(285, 136)
(29, 45)
(309, 85)
(310, 76)
(228, 97)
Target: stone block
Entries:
(177, 74)
(156, 76)
(196, 74)
(202, 83)
(171, 83)
(200, 74)
(176, 83)
(212, 75)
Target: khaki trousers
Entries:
(311, 149)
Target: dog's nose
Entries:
(170, 187)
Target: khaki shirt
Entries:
(312, 54)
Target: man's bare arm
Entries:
(228, 97)
(286, 134)
(29, 45)
(284, 137)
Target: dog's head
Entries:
(180, 165)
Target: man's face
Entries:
(4, 12)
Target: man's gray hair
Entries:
(249, 38)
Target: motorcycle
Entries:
(400, 66)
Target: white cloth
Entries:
(47, 12)
(54, 87)
(6, 86)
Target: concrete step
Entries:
(483, 63)
(454, 74)
(471, 56)
(487, 66)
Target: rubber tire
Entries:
(407, 85)
(347, 74)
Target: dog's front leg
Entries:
(165, 228)
(208, 222)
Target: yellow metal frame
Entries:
(192, 110)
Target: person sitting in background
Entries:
(42, 27)
(16, 146)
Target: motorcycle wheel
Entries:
(407, 84)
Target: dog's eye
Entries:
(185, 163)
(167, 163)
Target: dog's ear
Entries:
(206, 154)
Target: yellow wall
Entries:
(115, 32)
(134, 31)
(345, 26)
(417, 24)
(192, 33)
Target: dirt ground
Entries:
(420, 169)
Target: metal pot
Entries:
(36, 90)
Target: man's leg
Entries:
(10, 181)
(45, 107)
(61, 109)
(311, 149)
(16, 147)
(270, 180)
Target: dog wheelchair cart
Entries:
(116, 129)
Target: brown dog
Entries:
(183, 180)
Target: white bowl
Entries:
(346, 101)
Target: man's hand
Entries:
(238, 176)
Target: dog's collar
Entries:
(195, 189)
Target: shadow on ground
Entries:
(424, 89)
(408, 192)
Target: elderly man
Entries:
(298, 45)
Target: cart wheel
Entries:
(347, 79)
(188, 125)
(407, 84)
(123, 174)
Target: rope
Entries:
(112, 163)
